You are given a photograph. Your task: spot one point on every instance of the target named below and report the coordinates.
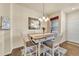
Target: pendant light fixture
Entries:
(44, 18)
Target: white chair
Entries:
(54, 45)
(30, 49)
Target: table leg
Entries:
(44, 50)
(39, 44)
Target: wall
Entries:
(63, 26)
(4, 34)
(72, 26)
(19, 23)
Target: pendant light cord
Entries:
(43, 9)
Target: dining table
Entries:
(39, 38)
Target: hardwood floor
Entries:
(16, 52)
(72, 49)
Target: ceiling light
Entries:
(46, 19)
(43, 18)
(43, 11)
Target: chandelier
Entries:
(43, 18)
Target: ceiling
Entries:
(51, 7)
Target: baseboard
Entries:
(8, 54)
(63, 42)
(74, 43)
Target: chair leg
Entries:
(43, 53)
(36, 50)
(25, 51)
(52, 48)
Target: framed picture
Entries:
(33, 23)
(4, 23)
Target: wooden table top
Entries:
(40, 36)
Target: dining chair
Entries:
(54, 45)
(30, 48)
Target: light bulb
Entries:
(46, 19)
(40, 19)
(43, 17)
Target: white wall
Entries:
(73, 26)
(1, 42)
(19, 23)
(4, 34)
(63, 26)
